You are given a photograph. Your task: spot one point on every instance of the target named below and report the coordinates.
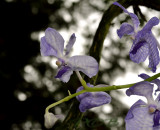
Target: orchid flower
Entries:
(92, 99)
(144, 43)
(52, 44)
(144, 116)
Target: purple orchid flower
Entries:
(143, 116)
(52, 44)
(144, 43)
(92, 99)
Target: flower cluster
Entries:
(52, 44)
(144, 43)
(141, 115)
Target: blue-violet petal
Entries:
(86, 64)
(55, 40)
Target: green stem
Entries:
(64, 99)
(114, 87)
(153, 77)
(83, 82)
(96, 89)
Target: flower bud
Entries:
(49, 120)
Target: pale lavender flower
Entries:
(144, 43)
(92, 99)
(52, 44)
(143, 116)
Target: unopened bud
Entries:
(49, 120)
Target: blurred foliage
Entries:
(27, 79)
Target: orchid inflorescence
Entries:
(141, 115)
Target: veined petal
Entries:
(87, 64)
(156, 119)
(86, 94)
(144, 88)
(138, 104)
(138, 117)
(62, 70)
(156, 81)
(125, 29)
(70, 43)
(134, 17)
(153, 51)
(152, 22)
(64, 73)
(47, 49)
(55, 40)
(139, 51)
(92, 99)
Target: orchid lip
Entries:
(156, 118)
(63, 70)
(137, 46)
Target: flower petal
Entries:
(156, 81)
(139, 51)
(144, 88)
(100, 98)
(87, 64)
(157, 100)
(152, 22)
(156, 118)
(134, 17)
(125, 29)
(64, 73)
(92, 99)
(153, 51)
(62, 70)
(138, 117)
(70, 43)
(144, 76)
(86, 94)
(55, 40)
(139, 103)
(46, 49)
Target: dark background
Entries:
(27, 80)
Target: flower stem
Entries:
(114, 87)
(96, 89)
(64, 99)
(83, 82)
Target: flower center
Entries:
(58, 63)
(152, 110)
